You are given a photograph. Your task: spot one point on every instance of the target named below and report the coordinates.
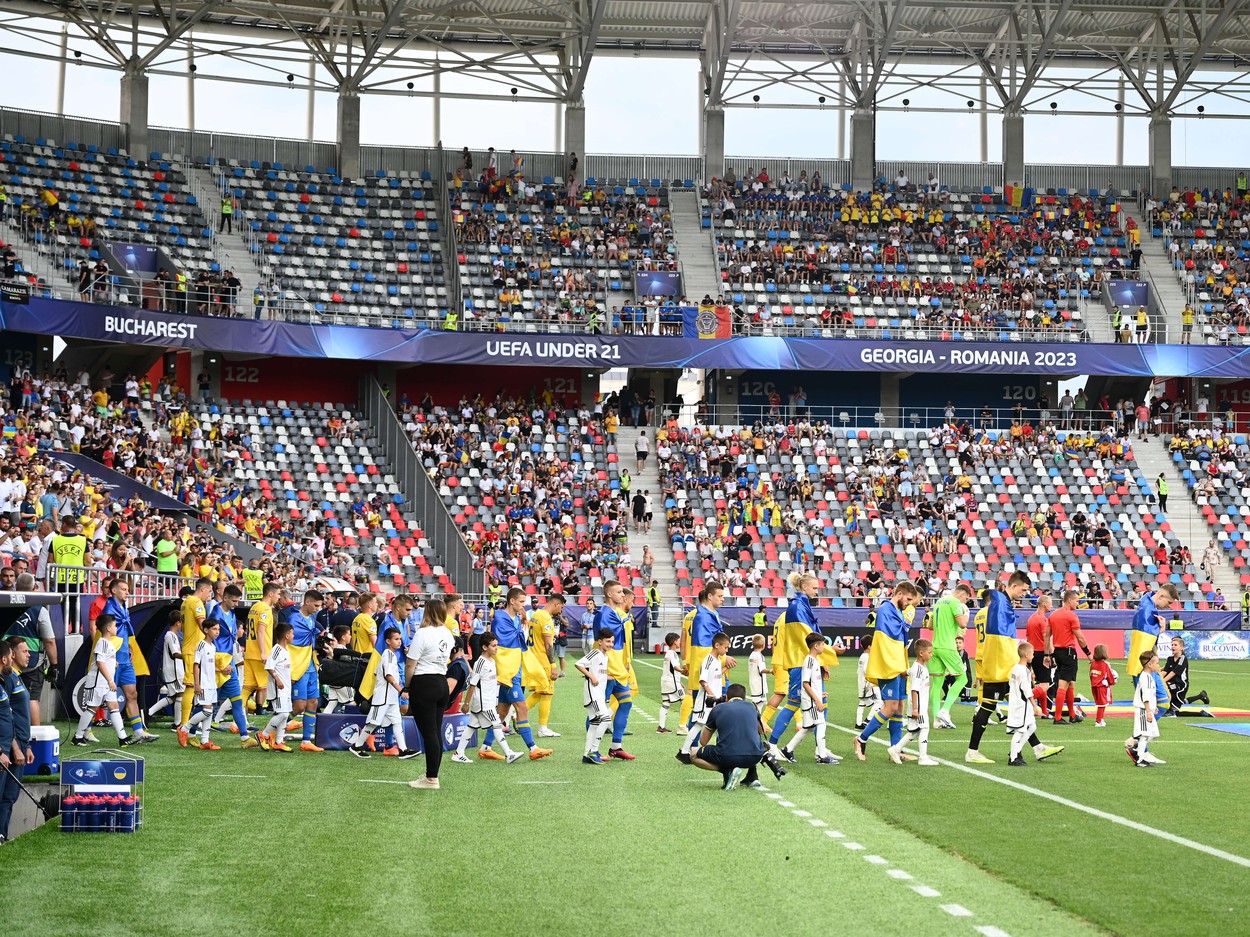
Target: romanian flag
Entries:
(1014, 196)
(887, 658)
(704, 623)
(707, 322)
(511, 634)
(997, 647)
(1145, 633)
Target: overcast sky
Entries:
(634, 105)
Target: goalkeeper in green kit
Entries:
(950, 620)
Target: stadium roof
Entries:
(543, 48)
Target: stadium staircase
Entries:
(664, 569)
(1168, 293)
(1184, 515)
(694, 246)
(230, 248)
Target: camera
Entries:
(774, 765)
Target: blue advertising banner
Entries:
(245, 336)
(119, 772)
(1129, 294)
(1118, 619)
(335, 731)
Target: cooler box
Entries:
(45, 744)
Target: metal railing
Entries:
(76, 583)
(853, 417)
(416, 484)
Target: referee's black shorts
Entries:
(1065, 664)
(1041, 672)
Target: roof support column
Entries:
(713, 141)
(134, 110)
(1160, 144)
(1013, 147)
(349, 132)
(863, 149)
(575, 132)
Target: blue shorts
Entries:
(894, 688)
(306, 687)
(794, 690)
(621, 690)
(230, 689)
(513, 692)
(125, 675)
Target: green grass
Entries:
(652, 847)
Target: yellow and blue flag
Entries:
(887, 658)
(997, 647)
(618, 656)
(511, 634)
(1145, 633)
(704, 623)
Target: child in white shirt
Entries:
(173, 670)
(672, 687)
(812, 704)
(757, 691)
(204, 680)
(711, 688)
(100, 688)
(384, 708)
(278, 665)
(917, 724)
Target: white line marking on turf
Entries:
(834, 834)
(544, 782)
(899, 874)
(955, 910)
(784, 803)
(1092, 811)
(877, 860)
(989, 930)
(772, 795)
(801, 813)
(376, 781)
(852, 846)
(814, 821)
(924, 891)
(254, 776)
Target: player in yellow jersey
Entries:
(194, 611)
(364, 641)
(256, 646)
(538, 662)
(454, 603)
(687, 625)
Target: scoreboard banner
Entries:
(70, 319)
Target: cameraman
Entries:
(739, 744)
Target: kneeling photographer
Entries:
(739, 747)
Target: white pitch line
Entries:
(899, 874)
(955, 910)
(1092, 811)
(815, 821)
(544, 782)
(251, 776)
(784, 803)
(834, 834)
(876, 860)
(852, 846)
(989, 930)
(801, 813)
(377, 781)
(924, 891)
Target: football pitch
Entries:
(247, 842)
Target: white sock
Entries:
(600, 732)
(279, 735)
(84, 722)
(363, 733)
(159, 706)
(178, 710)
(115, 719)
(820, 739)
(222, 710)
(924, 742)
(462, 743)
(330, 706)
(799, 735)
(1017, 743)
(276, 722)
(664, 716)
(691, 737)
(503, 743)
(1141, 746)
(399, 736)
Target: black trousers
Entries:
(427, 701)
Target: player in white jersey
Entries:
(757, 673)
(204, 682)
(173, 670)
(672, 687)
(481, 702)
(594, 668)
(869, 692)
(917, 724)
(812, 704)
(1021, 717)
(100, 687)
(1145, 712)
(384, 705)
(711, 689)
(278, 666)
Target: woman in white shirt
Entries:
(428, 656)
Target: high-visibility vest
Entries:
(182, 282)
(451, 323)
(1245, 603)
(653, 596)
(1116, 320)
(68, 551)
(253, 584)
(227, 206)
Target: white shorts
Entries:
(173, 689)
(487, 719)
(281, 699)
(670, 698)
(385, 714)
(1144, 729)
(597, 711)
(702, 708)
(812, 718)
(758, 701)
(208, 696)
(100, 696)
(340, 694)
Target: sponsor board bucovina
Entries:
(1224, 646)
(151, 328)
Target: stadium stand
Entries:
(908, 261)
(364, 252)
(532, 256)
(66, 199)
(939, 505)
(1215, 465)
(535, 489)
(1205, 237)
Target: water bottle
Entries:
(112, 820)
(129, 814)
(89, 814)
(69, 814)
